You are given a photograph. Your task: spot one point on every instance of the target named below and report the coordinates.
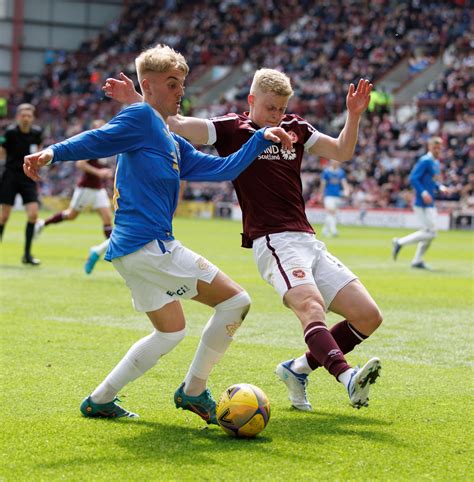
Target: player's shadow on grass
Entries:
(165, 442)
(16, 267)
(319, 426)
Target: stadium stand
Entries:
(323, 46)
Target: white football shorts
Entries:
(162, 272)
(332, 202)
(290, 259)
(426, 218)
(86, 196)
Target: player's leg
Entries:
(143, 275)
(423, 235)
(330, 221)
(29, 193)
(8, 191)
(102, 205)
(427, 218)
(361, 318)
(309, 302)
(95, 252)
(324, 348)
(81, 198)
(169, 330)
(68, 214)
(231, 304)
(5, 210)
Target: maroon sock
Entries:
(324, 348)
(347, 338)
(55, 218)
(107, 230)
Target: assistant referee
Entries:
(20, 139)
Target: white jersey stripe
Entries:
(212, 134)
(312, 140)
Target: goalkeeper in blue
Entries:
(424, 179)
(157, 268)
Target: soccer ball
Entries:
(243, 410)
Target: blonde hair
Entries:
(434, 140)
(160, 58)
(23, 107)
(270, 80)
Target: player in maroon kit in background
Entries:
(289, 257)
(90, 191)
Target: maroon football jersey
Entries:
(269, 191)
(90, 180)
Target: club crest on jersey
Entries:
(288, 154)
(299, 273)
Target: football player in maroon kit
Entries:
(288, 255)
(90, 191)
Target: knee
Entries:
(311, 308)
(239, 302)
(373, 318)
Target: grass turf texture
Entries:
(62, 332)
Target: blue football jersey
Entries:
(150, 164)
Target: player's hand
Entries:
(122, 90)
(106, 173)
(277, 134)
(357, 100)
(34, 162)
(427, 199)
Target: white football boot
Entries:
(360, 381)
(296, 384)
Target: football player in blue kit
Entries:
(157, 268)
(423, 179)
(333, 187)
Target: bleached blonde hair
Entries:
(434, 140)
(160, 58)
(270, 80)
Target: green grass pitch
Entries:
(62, 332)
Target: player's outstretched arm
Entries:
(197, 166)
(126, 132)
(122, 90)
(34, 162)
(342, 148)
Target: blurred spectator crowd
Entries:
(323, 46)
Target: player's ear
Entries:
(145, 85)
(251, 99)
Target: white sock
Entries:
(326, 229)
(142, 356)
(420, 251)
(100, 248)
(300, 365)
(345, 377)
(416, 237)
(332, 222)
(215, 339)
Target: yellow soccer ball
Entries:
(243, 410)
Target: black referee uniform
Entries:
(17, 145)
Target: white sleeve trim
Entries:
(312, 140)
(212, 134)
